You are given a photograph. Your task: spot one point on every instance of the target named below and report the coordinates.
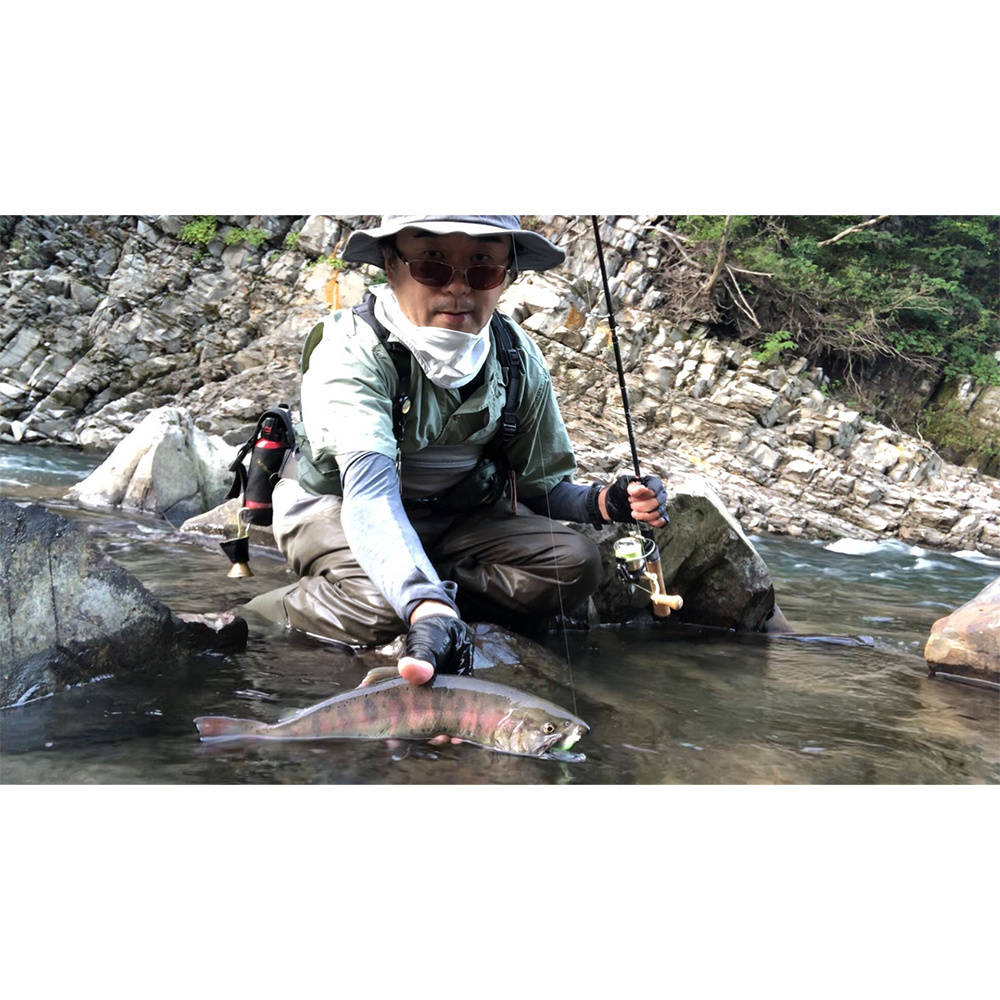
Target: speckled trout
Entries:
(481, 712)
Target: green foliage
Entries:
(924, 287)
(255, 237)
(292, 241)
(773, 347)
(200, 232)
(947, 425)
(205, 228)
(331, 261)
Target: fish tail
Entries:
(216, 726)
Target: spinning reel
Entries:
(634, 554)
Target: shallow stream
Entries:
(663, 707)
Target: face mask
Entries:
(449, 358)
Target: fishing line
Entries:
(555, 566)
(552, 536)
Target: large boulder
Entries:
(166, 466)
(70, 614)
(967, 642)
(707, 560)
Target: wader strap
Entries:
(511, 360)
(506, 345)
(314, 336)
(401, 358)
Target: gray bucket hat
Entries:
(534, 252)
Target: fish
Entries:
(481, 712)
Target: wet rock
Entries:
(214, 630)
(70, 614)
(706, 559)
(222, 522)
(165, 466)
(967, 642)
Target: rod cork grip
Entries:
(662, 602)
(668, 602)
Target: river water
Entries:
(664, 707)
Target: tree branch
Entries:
(743, 270)
(745, 306)
(853, 229)
(706, 289)
(676, 239)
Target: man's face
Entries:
(456, 306)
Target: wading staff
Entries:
(648, 557)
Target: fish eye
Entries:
(548, 728)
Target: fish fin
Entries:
(378, 674)
(215, 726)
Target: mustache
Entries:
(454, 305)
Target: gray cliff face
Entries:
(104, 319)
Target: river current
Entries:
(664, 707)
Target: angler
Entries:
(464, 708)
(434, 468)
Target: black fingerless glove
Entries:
(617, 499)
(442, 641)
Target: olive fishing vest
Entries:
(483, 484)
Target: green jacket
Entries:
(350, 383)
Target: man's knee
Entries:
(583, 562)
(347, 610)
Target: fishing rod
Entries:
(637, 553)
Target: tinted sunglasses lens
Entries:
(438, 274)
(431, 272)
(484, 276)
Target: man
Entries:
(394, 520)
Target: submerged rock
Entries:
(967, 642)
(70, 614)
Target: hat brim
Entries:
(533, 251)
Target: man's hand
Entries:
(629, 499)
(438, 642)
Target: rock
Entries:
(222, 522)
(71, 615)
(967, 642)
(217, 631)
(706, 559)
(165, 466)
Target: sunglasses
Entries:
(437, 274)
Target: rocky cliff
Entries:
(105, 318)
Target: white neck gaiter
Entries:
(449, 358)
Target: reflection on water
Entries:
(663, 707)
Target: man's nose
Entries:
(458, 280)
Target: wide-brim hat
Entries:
(533, 251)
